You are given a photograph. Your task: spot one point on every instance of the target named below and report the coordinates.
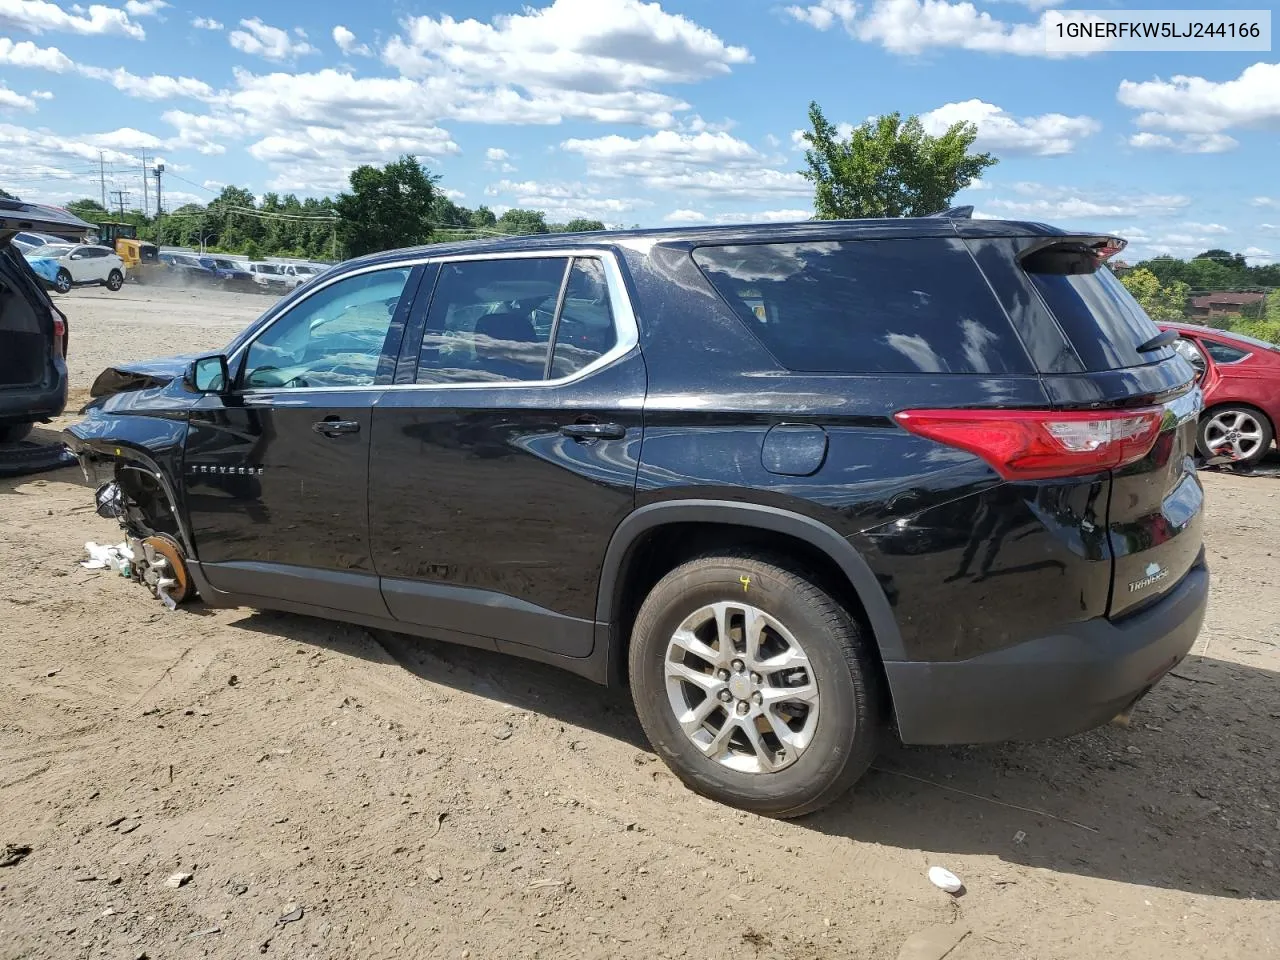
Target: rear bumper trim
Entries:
(1052, 686)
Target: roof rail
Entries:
(955, 213)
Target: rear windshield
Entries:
(1099, 316)
(867, 306)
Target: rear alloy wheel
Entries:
(1238, 432)
(115, 280)
(755, 686)
(62, 282)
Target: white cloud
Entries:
(155, 87)
(1194, 105)
(564, 201)
(1049, 134)
(585, 45)
(206, 23)
(127, 138)
(978, 184)
(914, 26)
(12, 100)
(1068, 203)
(826, 13)
(347, 43)
(1191, 143)
(496, 153)
(1257, 253)
(42, 94)
(685, 216)
(1206, 228)
(703, 163)
(27, 54)
(454, 195)
(37, 16)
(271, 43)
(1265, 202)
(144, 8)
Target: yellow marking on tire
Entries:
(746, 582)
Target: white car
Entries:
(270, 276)
(297, 274)
(75, 264)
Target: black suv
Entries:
(797, 484)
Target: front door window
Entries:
(333, 338)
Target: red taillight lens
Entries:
(1041, 444)
(59, 337)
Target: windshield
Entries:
(225, 265)
(50, 250)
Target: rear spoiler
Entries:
(17, 216)
(1070, 255)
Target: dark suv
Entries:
(797, 484)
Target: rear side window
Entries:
(1099, 316)
(1222, 353)
(867, 306)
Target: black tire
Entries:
(115, 280)
(62, 282)
(1210, 417)
(851, 717)
(13, 432)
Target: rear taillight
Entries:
(59, 337)
(1041, 444)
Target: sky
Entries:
(670, 112)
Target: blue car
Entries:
(230, 274)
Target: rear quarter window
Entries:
(1099, 316)
(867, 306)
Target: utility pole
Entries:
(146, 200)
(102, 178)
(121, 196)
(159, 206)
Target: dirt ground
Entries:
(334, 793)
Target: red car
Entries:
(1240, 377)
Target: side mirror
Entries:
(209, 375)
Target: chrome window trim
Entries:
(624, 321)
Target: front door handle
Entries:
(594, 431)
(332, 426)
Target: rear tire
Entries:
(14, 432)
(62, 282)
(115, 280)
(784, 729)
(1237, 431)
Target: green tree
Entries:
(888, 167)
(386, 208)
(519, 222)
(1203, 273)
(6, 195)
(578, 225)
(89, 210)
(482, 218)
(1160, 301)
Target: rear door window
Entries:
(868, 306)
(1222, 353)
(1099, 316)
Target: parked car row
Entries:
(281, 277)
(253, 276)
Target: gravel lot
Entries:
(335, 793)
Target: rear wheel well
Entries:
(661, 549)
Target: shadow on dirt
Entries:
(1186, 798)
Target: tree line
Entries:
(398, 205)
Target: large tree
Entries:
(888, 167)
(518, 221)
(89, 210)
(386, 208)
(1162, 302)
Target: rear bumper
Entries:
(33, 404)
(1053, 686)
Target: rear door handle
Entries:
(594, 431)
(334, 427)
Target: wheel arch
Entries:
(619, 595)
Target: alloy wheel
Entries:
(1236, 433)
(741, 687)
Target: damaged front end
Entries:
(130, 446)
